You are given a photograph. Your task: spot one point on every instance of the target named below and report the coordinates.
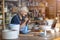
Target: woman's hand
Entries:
(29, 22)
(26, 19)
(23, 24)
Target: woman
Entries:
(21, 19)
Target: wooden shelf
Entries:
(12, 0)
(1, 18)
(0, 0)
(1, 12)
(3, 15)
(1, 6)
(33, 6)
(37, 21)
(1, 25)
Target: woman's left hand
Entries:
(29, 21)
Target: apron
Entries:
(24, 29)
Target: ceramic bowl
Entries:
(9, 34)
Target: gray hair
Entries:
(23, 9)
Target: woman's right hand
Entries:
(26, 19)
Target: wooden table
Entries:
(32, 36)
(29, 36)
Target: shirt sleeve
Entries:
(15, 20)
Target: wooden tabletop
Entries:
(31, 36)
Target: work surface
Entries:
(33, 36)
(29, 36)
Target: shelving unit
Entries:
(38, 5)
(2, 25)
(11, 9)
(34, 5)
(1, 7)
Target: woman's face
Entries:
(23, 13)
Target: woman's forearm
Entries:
(23, 24)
